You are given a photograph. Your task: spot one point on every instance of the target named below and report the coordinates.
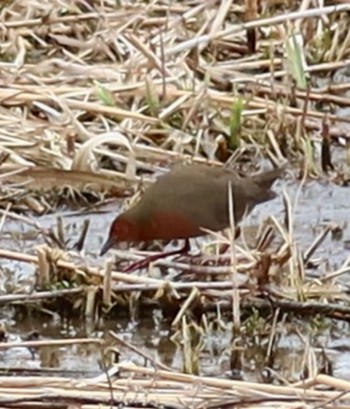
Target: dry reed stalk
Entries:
(50, 343)
(60, 81)
(146, 386)
(107, 289)
(233, 386)
(151, 284)
(131, 347)
(95, 96)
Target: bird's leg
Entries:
(146, 261)
(207, 260)
(225, 247)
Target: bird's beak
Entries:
(108, 244)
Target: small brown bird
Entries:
(188, 199)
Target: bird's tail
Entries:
(265, 179)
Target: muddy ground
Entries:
(319, 202)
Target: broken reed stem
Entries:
(43, 268)
(138, 351)
(107, 288)
(317, 242)
(145, 386)
(241, 387)
(190, 299)
(235, 292)
(40, 296)
(50, 343)
(90, 305)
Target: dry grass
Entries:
(105, 90)
(150, 388)
(96, 95)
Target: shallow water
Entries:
(318, 203)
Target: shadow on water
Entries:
(318, 203)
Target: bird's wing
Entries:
(193, 195)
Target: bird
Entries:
(188, 201)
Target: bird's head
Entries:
(122, 230)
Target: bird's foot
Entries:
(144, 263)
(138, 265)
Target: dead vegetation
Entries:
(149, 388)
(95, 95)
(98, 96)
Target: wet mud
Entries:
(318, 204)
